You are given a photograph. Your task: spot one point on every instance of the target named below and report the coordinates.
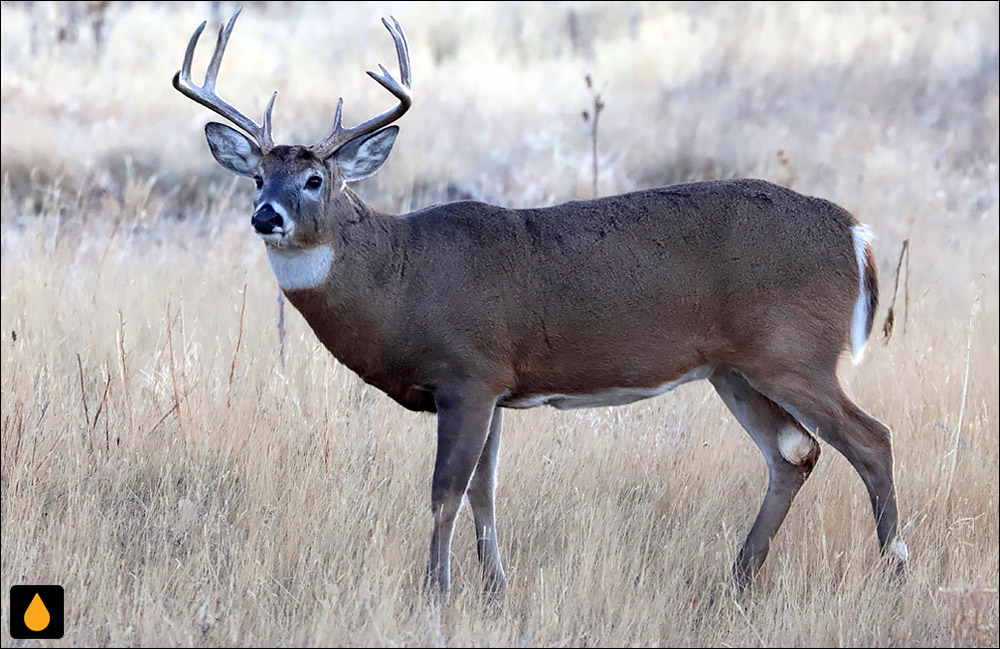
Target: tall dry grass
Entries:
(186, 492)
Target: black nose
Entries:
(265, 219)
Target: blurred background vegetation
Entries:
(839, 100)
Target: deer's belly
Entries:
(610, 397)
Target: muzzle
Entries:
(266, 220)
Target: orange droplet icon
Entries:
(37, 616)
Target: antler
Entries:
(206, 95)
(341, 135)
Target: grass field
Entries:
(188, 486)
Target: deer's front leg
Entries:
(481, 495)
(464, 414)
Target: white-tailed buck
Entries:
(467, 308)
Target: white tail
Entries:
(864, 308)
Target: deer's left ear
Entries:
(364, 156)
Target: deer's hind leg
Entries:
(790, 452)
(817, 400)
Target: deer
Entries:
(465, 309)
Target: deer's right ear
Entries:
(364, 155)
(234, 151)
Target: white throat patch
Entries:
(300, 268)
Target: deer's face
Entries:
(295, 187)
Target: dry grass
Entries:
(158, 463)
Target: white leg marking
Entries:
(794, 446)
(900, 549)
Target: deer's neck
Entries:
(343, 287)
(300, 268)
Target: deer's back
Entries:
(703, 269)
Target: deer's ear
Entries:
(234, 151)
(364, 156)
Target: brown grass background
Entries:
(188, 493)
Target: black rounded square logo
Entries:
(36, 612)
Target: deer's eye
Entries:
(257, 180)
(314, 182)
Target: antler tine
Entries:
(205, 94)
(338, 116)
(340, 135)
(220, 48)
(402, 50)
(189, 52)
(266, 142)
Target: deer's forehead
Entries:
(290, 160)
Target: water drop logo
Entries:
(37, 616)
(37, 612)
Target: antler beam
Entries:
(206, 95)
(400, 89)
